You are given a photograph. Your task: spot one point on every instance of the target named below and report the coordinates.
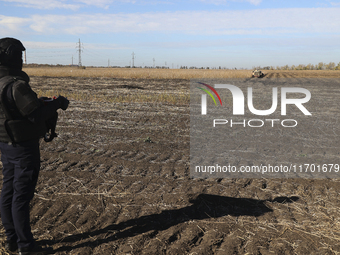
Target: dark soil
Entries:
(117, 181)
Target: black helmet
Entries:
(11, 52)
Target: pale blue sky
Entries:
(227, 33)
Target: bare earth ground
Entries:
(116, 181)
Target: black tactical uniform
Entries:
(22, 124)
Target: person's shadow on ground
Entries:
(203, 206)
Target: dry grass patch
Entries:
(137, 73)
(176, 99)
(302, 73)
(141, 73)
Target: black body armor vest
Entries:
(14, 127)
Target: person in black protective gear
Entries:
(22, 124)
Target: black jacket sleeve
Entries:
(44, 112)
(30, 106)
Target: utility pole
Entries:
(25, 59)
(79, 46)
(133, 59)
(153, 62)
(108, 64)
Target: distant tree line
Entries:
(45, 65)
(319, 66)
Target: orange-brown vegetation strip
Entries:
(141, 73)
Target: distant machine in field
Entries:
(257, 73)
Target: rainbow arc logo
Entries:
(209, 93)
(204, 97)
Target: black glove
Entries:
(63, 102)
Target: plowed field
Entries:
(117, 181)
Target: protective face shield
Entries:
(11, 53)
